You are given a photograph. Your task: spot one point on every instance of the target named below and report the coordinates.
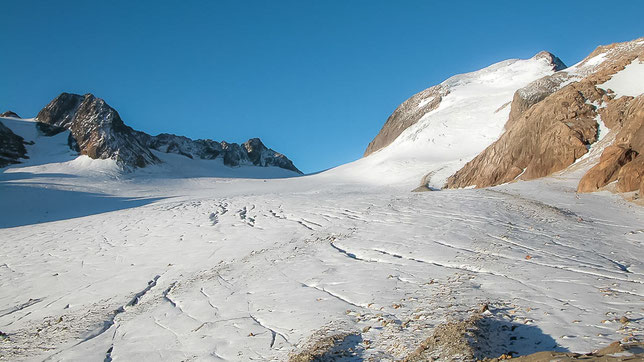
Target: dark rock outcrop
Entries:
(97, 129)
(12, 147)
(10, 114)
(260, 155)
(252, 152)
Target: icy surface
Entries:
(95, 266)
(627, 82)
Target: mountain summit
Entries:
(96, 130)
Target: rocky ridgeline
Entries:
(96, 130)
(553, 122)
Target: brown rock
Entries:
(406, 115)
(605, 172)
(550, 128)
(631, 175)
(545, 139)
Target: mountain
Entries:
(558, 119)
(190, 259)
(521, 120)
(9, 114)
(435, 132)
(97, 131)
(422, 103)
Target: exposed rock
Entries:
(260, 155)
(416, 107)
(553, 122)
(169, 143)
(605, 172)
(615, 352)
(406, 115)
(631, 175)
(97, 129)
(12, 147)
(48, 129)
(534, 93)
(622, 161)
(252, 152)
(546, 138)
(10, 114)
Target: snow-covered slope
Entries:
(470, 116)
(153, 268)
(52, 155)
(192, 260)
(98, 132)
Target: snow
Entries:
(627, 82)
(425, 101)
(468, 119)
(155, 266)
(193, 260)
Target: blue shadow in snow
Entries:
(32, 203)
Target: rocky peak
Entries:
(10, 114)
(260, 155)
(96, 129)
(556, 63)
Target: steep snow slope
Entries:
(469, 118)
(627, 82)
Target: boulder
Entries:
(631, 175)
(606, 171)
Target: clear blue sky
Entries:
(314, 79)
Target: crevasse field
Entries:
(192, 260)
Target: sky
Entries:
(315, 80)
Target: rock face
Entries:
(252, 152)
(547, 138)
(12, 147)
(97, 129)
(406, 115)
(554, 121)
(9, 114)
(98, 132)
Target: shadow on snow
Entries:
(34, 203)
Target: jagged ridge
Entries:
(98, 132)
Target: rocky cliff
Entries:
(252, 152)
(98, 132)
(555, 120)
(97, 129)
(12, 147)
